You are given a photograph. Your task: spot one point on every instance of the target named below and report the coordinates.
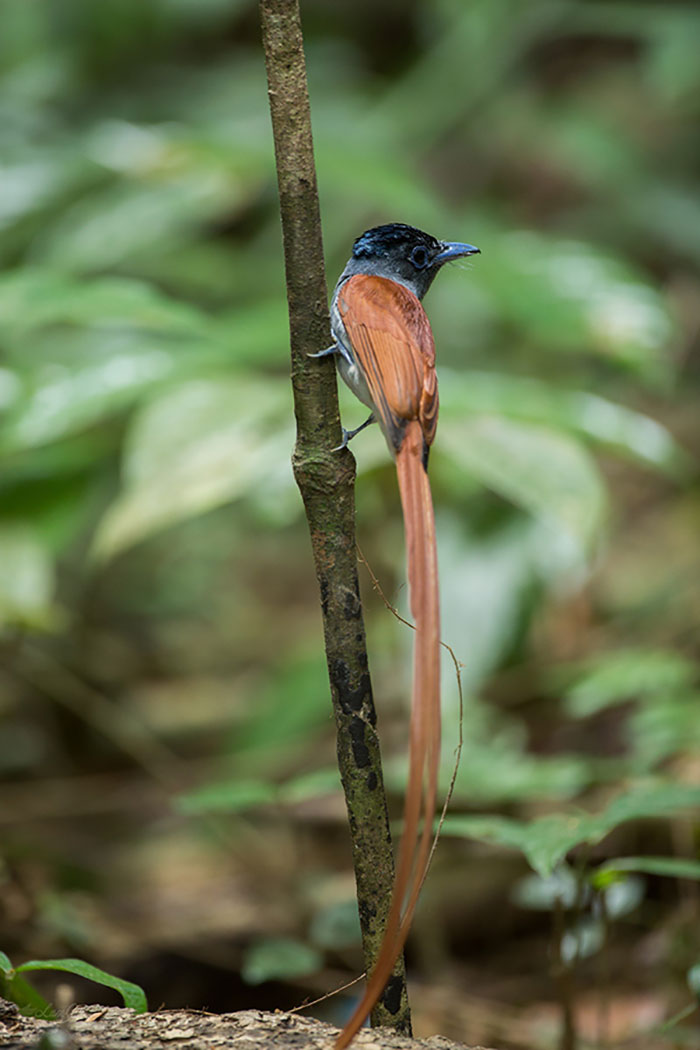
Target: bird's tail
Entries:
(424, 751)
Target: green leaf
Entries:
(674, 867)
(64, 398)
(26, 577)
(36, 298)
(10, 388)
(234, 796)
(130, 217)
(496, 767)
(541, 894)
(5, 964)
(568, 295)
(279, 958)
(693, 979)
(662, 725)
(584, 940)
(547, 473)
(227, 797)
(195, 447)
(310, 785)
(84, 350)
(291, 706)
(625, 675)
(132, 994)
(648, 800)
(546, 840)
(578, 411)
(30, 1002)
(336, 926)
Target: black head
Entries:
(403, 253)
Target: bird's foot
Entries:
(325, 353)
(348, 435)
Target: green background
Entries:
(170, 809)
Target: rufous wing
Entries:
(394, 349)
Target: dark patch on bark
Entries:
(392, 995)
(360, 750)
(372, 781)
(351, 700)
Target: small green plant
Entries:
(18, 990)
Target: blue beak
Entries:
(454, 250)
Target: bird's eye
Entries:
(419, 256)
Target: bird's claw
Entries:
(325, 353)
(348, 435)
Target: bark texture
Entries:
(115, 1028)
(326, 481)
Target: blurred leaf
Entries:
(693, 978)
(662, 725)
(291, 705)
(587, 938)
(310, 785)
(568, 295)
(486, 583)
(674, 867)
(116, 223)
(10, 388)
(542, 470)
(625, 675)
(132, 994)
(669, 213)
(501, 775)
(26, 577)
(653, 798)
(279, 958)
(336, 926)
(195, 447)
(542, 893)
(84, 351)
(623, 896)
(255, 335)
(671, 63)
(462, 38)
(37, 182)
(534, 400)
(35, 298)
(64, 399)
(233, 796)
(546, 840)
(228, 797)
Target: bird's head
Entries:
(404, 254)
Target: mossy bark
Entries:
(326, 480)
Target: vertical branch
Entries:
(326, 481)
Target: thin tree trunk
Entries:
(326, 481)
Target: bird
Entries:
(385, 352)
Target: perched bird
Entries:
(384, 350)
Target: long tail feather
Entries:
(424, 749)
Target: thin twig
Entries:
(328, 995)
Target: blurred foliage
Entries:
(158, 611)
